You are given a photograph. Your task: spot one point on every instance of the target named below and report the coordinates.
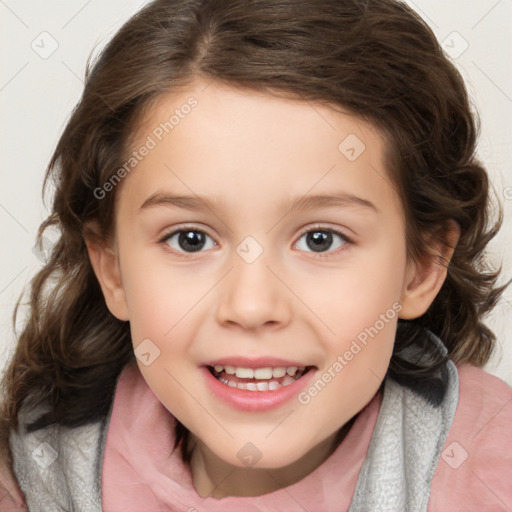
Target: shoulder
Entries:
(484, 411)
(58, 467)
(485, 404)
(11, 497)
(482, 384)
(476, 461)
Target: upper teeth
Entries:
(257, 373)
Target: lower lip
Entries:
(255, 401)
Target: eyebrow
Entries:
(305, 202)
(326, 201)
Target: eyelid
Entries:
(307, 229)
(325, 227)
(178, 229)
(185, 227)
(348, 241)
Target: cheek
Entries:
(158, 298)
(361, 310)
(358, 294)
(351, 377)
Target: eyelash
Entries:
(324, 229)
(311, 229)
(182, 229)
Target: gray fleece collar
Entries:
(59, 469)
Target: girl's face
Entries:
(258, 232)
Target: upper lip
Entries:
(259, 362)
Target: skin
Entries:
(251, 152)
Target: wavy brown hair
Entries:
(375, 58)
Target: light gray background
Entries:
(44, 47)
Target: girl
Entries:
(269, 286)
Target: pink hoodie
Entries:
(474, 472)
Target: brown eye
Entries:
(322, 240)
(188, 240)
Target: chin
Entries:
(259, 455)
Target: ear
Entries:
(105, 262)
(425, 276)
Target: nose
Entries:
(251, 296)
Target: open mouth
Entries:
(258, 379)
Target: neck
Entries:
(213, 477)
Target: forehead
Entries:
(247, 110)
(231, 142)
